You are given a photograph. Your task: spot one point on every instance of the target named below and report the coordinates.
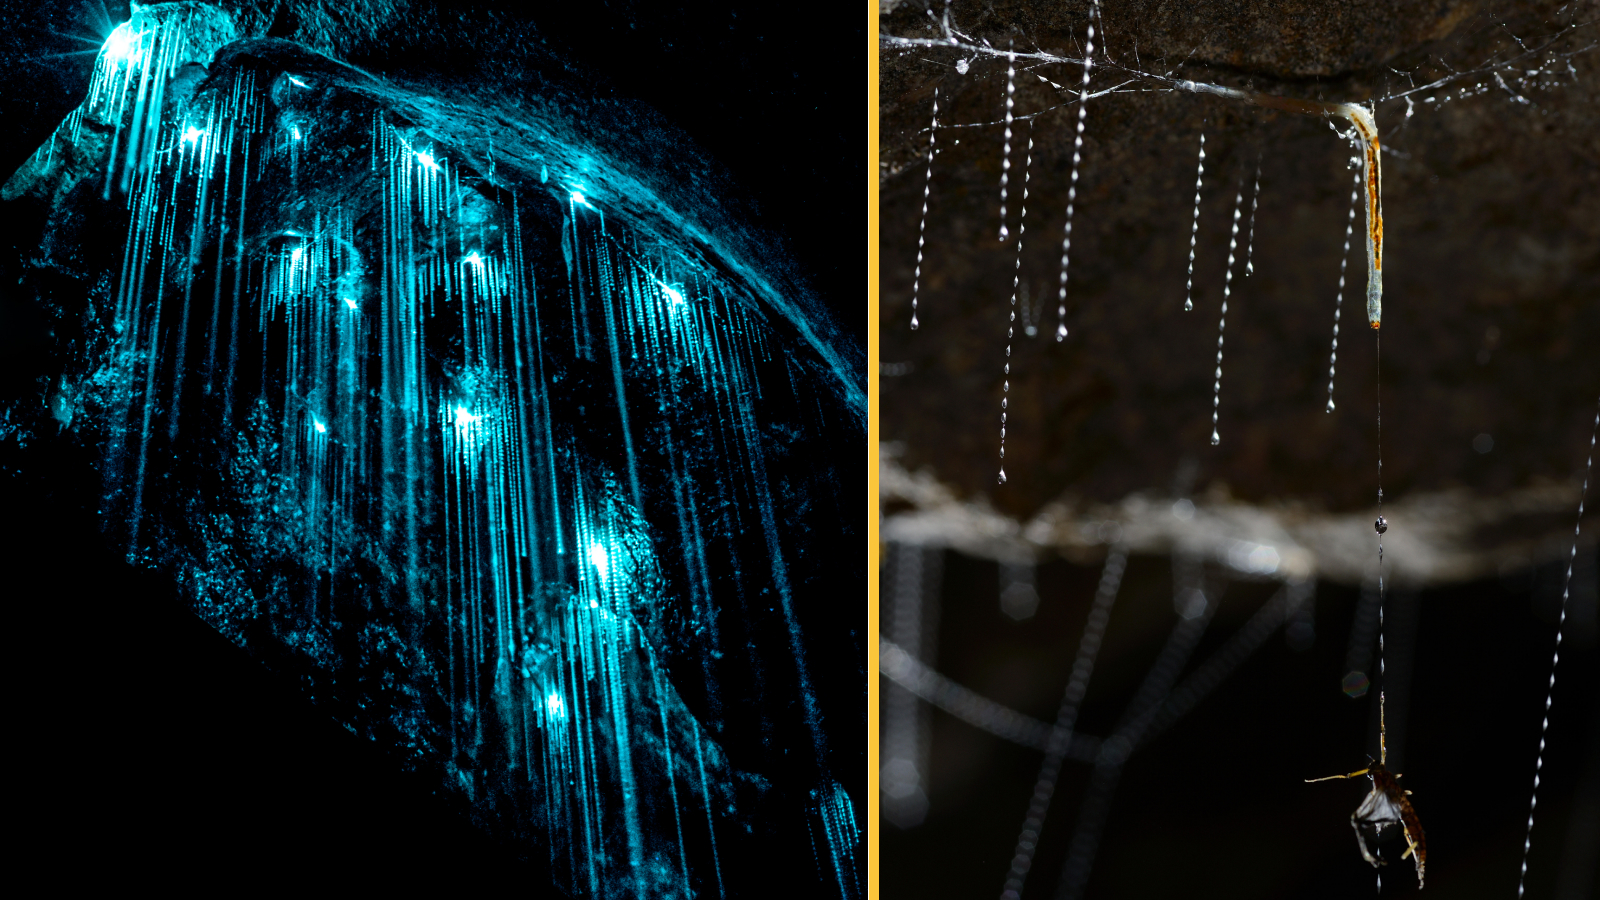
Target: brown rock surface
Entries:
(1492, 270)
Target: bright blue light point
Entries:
(426, 160)
(672, 293)
(321, 428)
(577, 197)
(474, 258)
(193, 135)
(464, 418)
(598, 556)
(350, 302)
(123, 44)
(554, 705)
(297, 82)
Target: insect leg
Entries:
(1332, 777)
(1361, 841)
(1414, 850)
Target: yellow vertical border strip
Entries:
(873, 546)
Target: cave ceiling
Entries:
(1491, 272)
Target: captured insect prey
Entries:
(1386, 804)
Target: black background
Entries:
(1217, 806)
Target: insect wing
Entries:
(1378, 809)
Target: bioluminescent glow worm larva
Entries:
(1386, 804)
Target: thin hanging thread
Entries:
(1005, 155)
(1016, 277)
(1250, 245)
(1194, 232)
(1555, 658)
(1072, 187)
(1222, 320)
(1338, 299)
(1380, 526)
(922, 227)
(1060, 740)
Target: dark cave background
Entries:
(154, 748)
(1216, 806)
